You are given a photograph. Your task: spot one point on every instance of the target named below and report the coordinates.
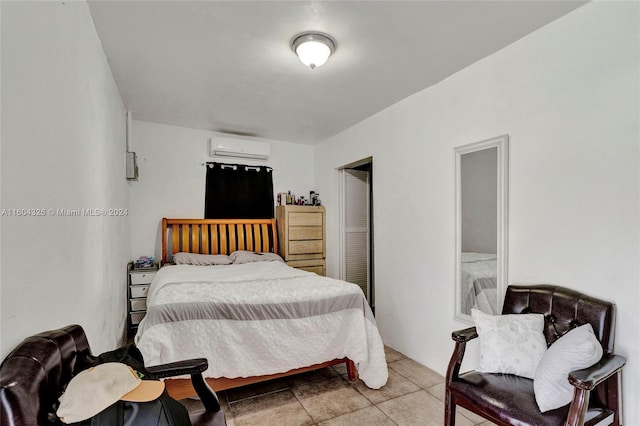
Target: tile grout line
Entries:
(257, 396)
(305, 409)
(373, 404)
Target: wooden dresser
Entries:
(301, 237)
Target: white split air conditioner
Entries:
(225, 146)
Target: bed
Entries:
(478, 278)
(255, 319)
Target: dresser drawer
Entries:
(139, 290)
(142, 277)
(138, 304)
(136, 317)
(305, 219)
(305, 246)
(315, 269)
(306, 233)
(317, 266)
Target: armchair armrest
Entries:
(465, 335)
(591, 377)
(194, 367)
(180, 368)
(461, 337)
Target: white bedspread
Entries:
(259, 318)
(478, 282)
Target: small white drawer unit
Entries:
(139, 282)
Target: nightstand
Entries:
(139, 281)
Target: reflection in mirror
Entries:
(481, 223)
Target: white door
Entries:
(356, 227)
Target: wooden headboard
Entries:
(217, 236)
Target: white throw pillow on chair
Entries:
(578, 348)
(510, 344)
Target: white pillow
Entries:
(579, 348)
(510, 344)
(184, 258)
(243, 256)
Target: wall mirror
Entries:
(481, 226)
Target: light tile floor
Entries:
(413, 396)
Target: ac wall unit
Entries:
(222, 146)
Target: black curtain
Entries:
(238, 191)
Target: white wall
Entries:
(172, 177)
(568, 96)
(63, 147)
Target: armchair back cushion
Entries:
(34, 374)
(563, 310)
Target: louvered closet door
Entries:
(356, 228)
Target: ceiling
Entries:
(227, 66)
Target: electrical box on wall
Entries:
(223, 146)
(132, 166)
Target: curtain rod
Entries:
(235, 166)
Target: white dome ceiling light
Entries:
(313, 48)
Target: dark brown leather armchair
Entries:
(505, 399)
(34, 374)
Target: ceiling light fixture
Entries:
(312, 48)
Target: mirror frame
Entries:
(502, 145)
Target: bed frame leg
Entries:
(352, 373)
